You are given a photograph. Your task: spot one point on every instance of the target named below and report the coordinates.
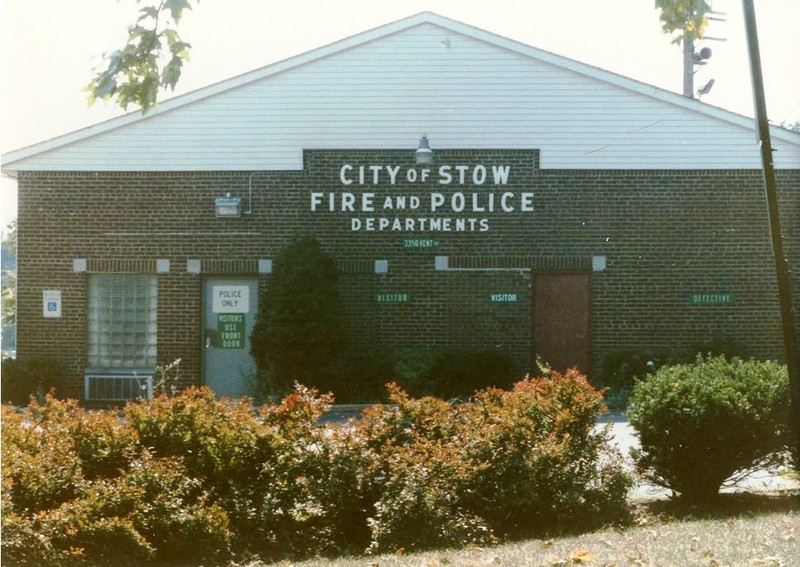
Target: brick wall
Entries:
(667, 236)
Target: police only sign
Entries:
(230, 299)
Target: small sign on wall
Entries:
(393, 297)
(230, 299)
(420, 243)
(503, 297)
(712, 298)
(51, 303)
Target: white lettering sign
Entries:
(503, 297)
(477, 195)
(458, 202)
(230, 299)
(460, 174)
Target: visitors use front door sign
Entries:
(231, 330)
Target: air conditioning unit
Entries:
(118, 387)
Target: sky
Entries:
(49, 49)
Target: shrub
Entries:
(306, 498)
(539, 465)
(105, 444)
(219, 441)
(459, 374)
(299, 330)
(411, 367)
(701, 423)
(151, 511)
(40, 464)
(287, 485)
(416, 475)
(621, 370)
(421, 501)
(193, 478)
(508, 464)
(78, 486)
(23, 380)
(167, 507)
(358, 377)
(22, 544)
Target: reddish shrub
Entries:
(508, 464)
(194, 478)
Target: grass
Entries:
(738, 530)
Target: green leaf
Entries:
(148, 12)
(171, 35)
(686, 17)
(171, 73)
(180, 49)
(105, 87)
(176, 8)
(135, 73)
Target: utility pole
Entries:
(781, 265)
(688, 66)
(692, 58)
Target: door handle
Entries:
(212, 338)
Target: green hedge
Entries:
(620, 370)
(33, 378)
(299, 330)
(360, 377)
(701, 423)
(193, 478)
(451, 374)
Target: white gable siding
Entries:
(458, 89)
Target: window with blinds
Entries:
(122, 321)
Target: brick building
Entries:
(564, 214)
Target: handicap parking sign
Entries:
(51, 303)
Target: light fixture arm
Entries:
(249, 210)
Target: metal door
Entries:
(230, 307)
(561, 319)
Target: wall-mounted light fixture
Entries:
(424, 153)
(228, 206)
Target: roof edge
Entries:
(8, 159)
(215, 88)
